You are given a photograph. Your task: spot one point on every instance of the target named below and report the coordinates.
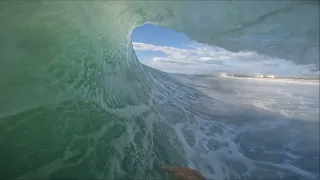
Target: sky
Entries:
(174, 52)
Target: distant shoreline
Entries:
(313, 81)
(275, 77)
(303, 80)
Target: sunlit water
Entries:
(253, 128)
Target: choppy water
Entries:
(224, 127)
(255, 129)
(75, 103)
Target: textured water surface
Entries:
(75, 103)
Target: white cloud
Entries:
(201, 58)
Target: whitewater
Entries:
(76, 103)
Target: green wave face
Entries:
(76, 103)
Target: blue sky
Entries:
(159, 36)
(172, 51)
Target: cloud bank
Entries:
(204, 59)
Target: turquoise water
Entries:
(76, 103)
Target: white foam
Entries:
(262, 98)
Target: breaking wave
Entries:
(77, 103)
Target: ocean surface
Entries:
(225, 127)
(76, 103)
